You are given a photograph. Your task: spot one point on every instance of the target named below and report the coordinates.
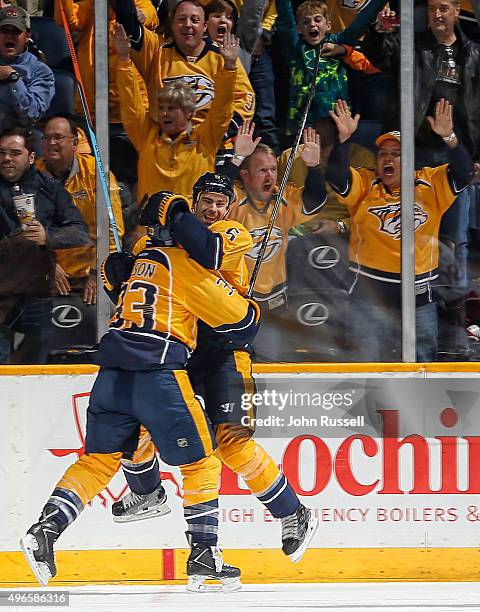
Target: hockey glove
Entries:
(115, 270)
(162, 208)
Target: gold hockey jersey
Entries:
(227, 261)
(160, 62)
(166, 164)
(375, 222)
(155, 322)
(236, 243)
(272, 277)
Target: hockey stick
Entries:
(93, 138)
(286, 174)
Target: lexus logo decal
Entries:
(324, 257)
(66, 316)
(313, 314)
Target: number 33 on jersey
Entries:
(166, 293)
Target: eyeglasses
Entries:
(54, 138)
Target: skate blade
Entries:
(196, 584)
(311, 529)
(40, 569)
(154, 512)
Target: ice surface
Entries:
(338, 597)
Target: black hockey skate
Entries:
(297, 531)
(206, 563)
(135, 507)
(37, 546)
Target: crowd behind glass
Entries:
(185, 98)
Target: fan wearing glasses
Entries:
(61, 158)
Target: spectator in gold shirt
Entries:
(76, 267)
(173, 157)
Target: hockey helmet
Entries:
(214, 183)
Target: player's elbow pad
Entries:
(244, 331)
(255, 308)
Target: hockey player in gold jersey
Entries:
(160, 294)
(373, 199)
(221, 372)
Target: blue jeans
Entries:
(453, 280)
(454, 226)
(376, 330)
(29, 316)
(262, 79)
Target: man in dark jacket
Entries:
(37, 216)
(447, 65)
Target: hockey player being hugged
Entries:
(160, 294)
(221, 372)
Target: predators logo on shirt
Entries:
(273, 246)
(255, 216)
(375, 220)
(203, 88)
(390, 218)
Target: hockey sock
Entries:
(280, 499)
(200, 481)
(200, 499)
(202, 521)
(90, 474)
(63, 507)
(142, 478)
(261, 475)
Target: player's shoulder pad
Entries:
(155, 255)
(225, 224)
(233, 231)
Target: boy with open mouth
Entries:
(221, 17)
(301, 38)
